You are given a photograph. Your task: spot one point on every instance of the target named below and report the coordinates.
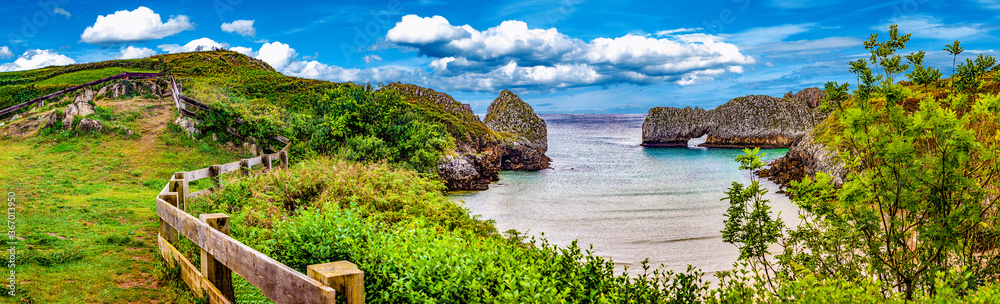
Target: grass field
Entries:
(85, 76)
(85, 205)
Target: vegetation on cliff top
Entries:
(916, 215)
(509, 114)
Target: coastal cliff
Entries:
(523, 135)
(805, 158)
(476, 159)
(673, 127)
(748, 121)
(511, 137)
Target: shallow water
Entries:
(629, 201)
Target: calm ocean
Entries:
(629, 201)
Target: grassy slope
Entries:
(85, 202)
(85, 205)
(21, 86)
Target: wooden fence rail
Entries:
(221, 253)
(25, 104)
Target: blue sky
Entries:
(561, 56)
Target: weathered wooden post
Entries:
(245, 167)
(283, 156)
(213, 174)
(343, 276)
(179, 184)
(266, 159)
(168, 232)
(217, 273)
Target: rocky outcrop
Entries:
(673, 127)
(476, 161)
(189, 125)
(761, 121)
(90, 126)
(512, 137)
(748, 121)
(523, 135)
(805, 158)
(812, 97)
(81, 106)
(469, 171)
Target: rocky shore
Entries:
(748, 121)
(512, 137)
(805, 158)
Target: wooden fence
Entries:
(28, 103)
(221, 254)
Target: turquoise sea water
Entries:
(629, 201)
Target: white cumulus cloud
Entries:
(201, 44)
(276, 54)
(136, 52)
(242, 27)
(141, 24)
(33, 59)
(416, 30)
(244, 50)
(5, 52)
(514, 55)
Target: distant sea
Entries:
(629, 201)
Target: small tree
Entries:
(921, 75)
(749, 225)
(954, 49)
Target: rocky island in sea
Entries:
(511, 137)
(747, 121)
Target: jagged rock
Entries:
(805, 158)
(748, 121)
(52, 118)
(67, 121)
(188, 124)
(81, 108)
(468, 171)
(102, 91)
(85, 96)
(673, 127)
(523, 135)
(812, 97)
(761, 121)
(90, 125)
(15, 117)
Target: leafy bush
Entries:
(415, 245)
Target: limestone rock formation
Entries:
(468, 171)
(523, 135)
(673, 127)
(80, 108)
(760, 121)
(189, 125)
(476, 160)
(805, 158)
(53, 117)
(748, 121)
(90, 126)
(812, 97)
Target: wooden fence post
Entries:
(283, 157)
(168, 232)
(217, 273)
(179, 184)
(245, 167)
(213, 173)
(343, 276)
(266, 159)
